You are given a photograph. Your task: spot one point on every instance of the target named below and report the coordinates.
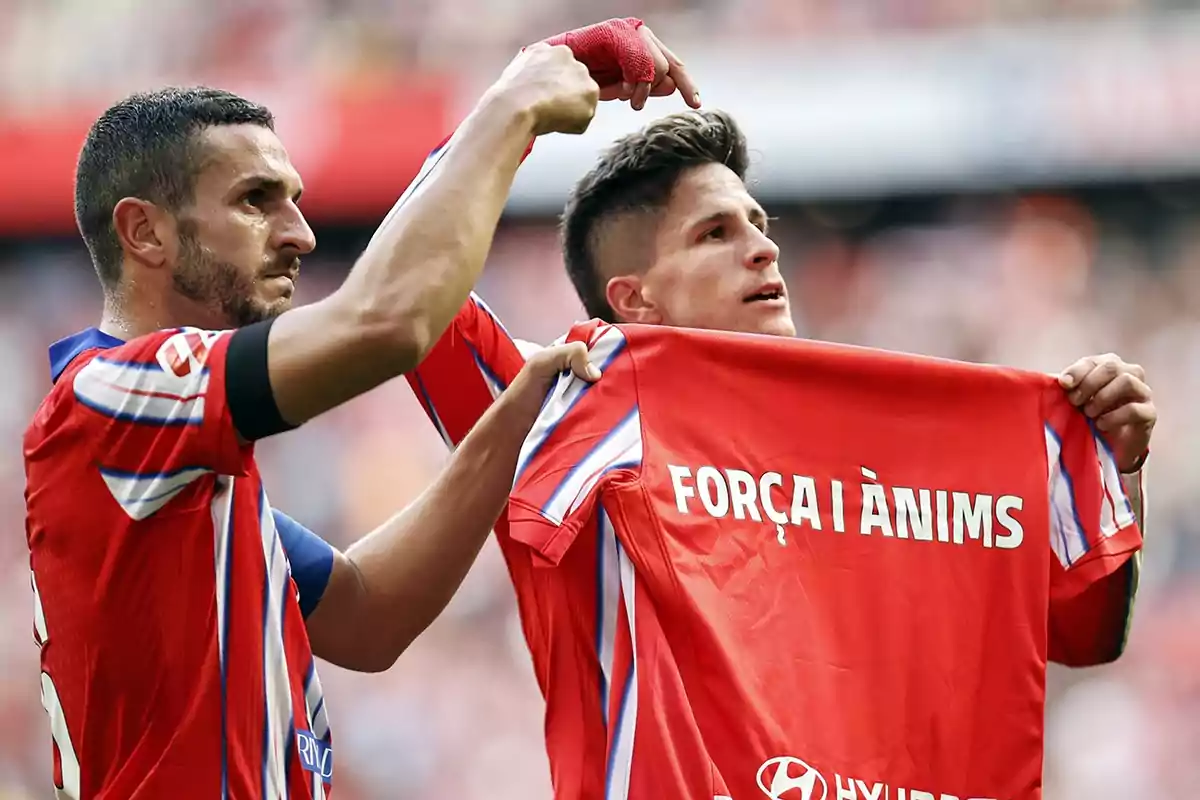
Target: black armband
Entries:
(248, 384)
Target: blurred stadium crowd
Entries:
(99, 44)
(1027, 279)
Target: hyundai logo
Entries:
(787, 778)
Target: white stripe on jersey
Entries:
(1117, 512)
(314, 697)
(629, 457)
(140, 495)
(477, 300)
(620, 760)
(621, 447)
(222, 518)
(277, 694)
(1067, 537)
(431, 409)
(314, 701)
(431, 162)
(608, 592)
(142, 392)
(490, 380)
(530, 349)
(565, 394)
(492, 383)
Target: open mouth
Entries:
(767, 294)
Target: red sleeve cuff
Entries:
(1101, 561)
(548, 541)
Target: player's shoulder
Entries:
(169, 349)
(88, 367)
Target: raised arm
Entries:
(476, 358)
(421, 264)
(466, 370)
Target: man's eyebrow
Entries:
(268, 184)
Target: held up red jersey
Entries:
(474, 361)
(169, 595)
(846, 554)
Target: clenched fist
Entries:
(548, 82)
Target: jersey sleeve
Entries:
(474, 360)
(154, 415)
(468, 367)
(310, 559)
(1093, 530)
(587, 436)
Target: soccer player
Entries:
(663, 231)
(177, 613)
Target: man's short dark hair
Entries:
(638, 174)
(147, 146)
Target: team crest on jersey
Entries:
(186, 351)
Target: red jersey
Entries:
(169, 596)
(854, 593)
(471, 363)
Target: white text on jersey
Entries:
(899, 512)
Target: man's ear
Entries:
(627, 297)
(146, 232)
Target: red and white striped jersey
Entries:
(845, 555)
(576, 618)
(175, 660)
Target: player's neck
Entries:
(128, 318)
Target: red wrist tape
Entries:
(613, 51)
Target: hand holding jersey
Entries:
(833, 592)
(1114, 394)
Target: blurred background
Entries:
(1009, 181)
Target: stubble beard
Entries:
(220, 286)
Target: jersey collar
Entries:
(64, 351)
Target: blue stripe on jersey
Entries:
(311, 559)
(1062, 465)
(566, 412)
(630, 680)
(120, 473)
(319, 729)
(1108, 450)
(427, 402)
(140, 366)
(317, 711)
(485, 369)
(171, 492)
(125, 417)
